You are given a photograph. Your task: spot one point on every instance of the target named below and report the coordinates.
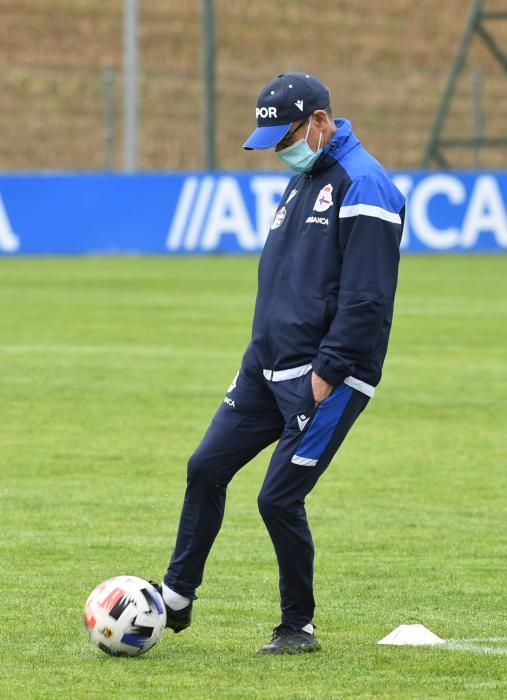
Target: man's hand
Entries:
(321, 389)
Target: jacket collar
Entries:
(342, 142)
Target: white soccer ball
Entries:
(125, 616)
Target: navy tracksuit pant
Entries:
(260, 408)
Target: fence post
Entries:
(208, 79)
(478, 116)
(130, 97)
(108, 80)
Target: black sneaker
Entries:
(177, 620)
(285, 640)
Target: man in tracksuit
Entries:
(327, 279)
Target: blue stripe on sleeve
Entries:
(374, 191)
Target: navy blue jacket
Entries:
(329, 268)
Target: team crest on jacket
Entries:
(291, 196)
(324, 199)
(279, 218)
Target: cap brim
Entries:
(266, 137)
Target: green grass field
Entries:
(111, 369)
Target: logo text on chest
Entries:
(317, 220)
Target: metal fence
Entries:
(67, 117)
(71, 119)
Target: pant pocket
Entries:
(322, 426)
(308, 389)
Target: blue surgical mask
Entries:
(299, 156)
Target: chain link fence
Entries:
(69, 117)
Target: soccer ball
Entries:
(125, 616)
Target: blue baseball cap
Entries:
(286, 99)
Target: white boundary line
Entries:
(154, 350)
(496, 646)
(474, 646)
(496, 640)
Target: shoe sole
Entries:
(176, 630)
(289, 650)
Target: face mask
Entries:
(299, 156)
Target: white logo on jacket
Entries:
(324, 199)
(279, 218)
(317, 220)
(233, 383)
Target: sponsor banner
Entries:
(226, 212)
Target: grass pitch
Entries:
(111, 370)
